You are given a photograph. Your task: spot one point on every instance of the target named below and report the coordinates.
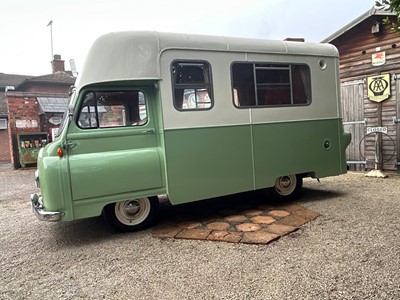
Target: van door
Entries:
(112, 146)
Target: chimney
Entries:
(57, 64)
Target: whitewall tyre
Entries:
(287, 187)
(131, 215)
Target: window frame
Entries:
(3, 124)
(274, 66)
(97, 112)
(195, 86)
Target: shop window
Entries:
(112, 109)
(192, 85)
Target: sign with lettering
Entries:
(26, 123)
(377, 129)
(379, 87)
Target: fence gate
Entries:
(354, 122)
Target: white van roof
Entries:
(134, 55)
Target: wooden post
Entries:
(378, 150)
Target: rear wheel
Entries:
(287, 187)
(131, 215)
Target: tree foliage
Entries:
(390, 6)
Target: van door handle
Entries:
(71, 144)
(150, 131)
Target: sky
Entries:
(26, 39)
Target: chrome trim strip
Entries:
(363, 162)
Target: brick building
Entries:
(34, 105)
(7, 81)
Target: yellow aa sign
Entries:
(379, 87)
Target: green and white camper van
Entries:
(191, 117)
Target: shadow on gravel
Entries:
(209, 207)
(80, 232)
(237, 202)
(95, 230)
(311, 194)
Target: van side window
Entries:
(192, 85)
(112, 109)
(263, 84)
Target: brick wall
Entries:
(4, 146)
(20, 109)
(58, 66)
(46, 123)
(23, 118)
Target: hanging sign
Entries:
(377, 129)
(55, 120)
(379, 87)
(378, 59)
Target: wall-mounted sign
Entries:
(55, 120)
(26, 123)
(379, 59)
(379, 87)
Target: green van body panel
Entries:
(297, 148)
(245, 158)
(190, 155)
(95, 161)
(54, 181)
(197, 171)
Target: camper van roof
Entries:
(134, 55)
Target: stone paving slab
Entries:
(233, 220)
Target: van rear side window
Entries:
(192, 85)
(263, 84)
(112, 109)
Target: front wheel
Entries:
(131, 215)
(287, 187)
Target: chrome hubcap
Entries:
(285, 185)
(132, 212)
(132, 208)
(285, 182)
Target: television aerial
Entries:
(73, 67)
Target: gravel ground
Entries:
(350, 252)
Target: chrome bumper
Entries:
(41, 214)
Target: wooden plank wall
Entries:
(356, 47)
(353, 113)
